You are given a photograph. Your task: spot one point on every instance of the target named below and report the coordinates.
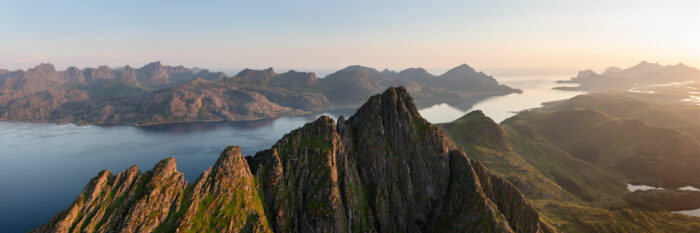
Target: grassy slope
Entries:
(574, 217)
(573, 194)
(642, 152)
(623, 106)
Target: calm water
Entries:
(537, 89)
(43, 167)
(641, 187)
(695, 212)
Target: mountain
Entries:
(157, 93)
(385, 169)
(461, 86)
(531, 162)
(644, 73)
(44, 76)
(466, 78)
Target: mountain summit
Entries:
(385, 169)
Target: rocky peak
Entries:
(394, 103)
(256, 77)
(389, 73)
(250, 72)
(464, 72)
(611, 70)
(356, 69)
(359, 68)
(585, 73)
(166, 166)
(72, 69)
(230, 166)
(478, 129)
(461, 70)
(645, 66)
(44, 68)
(152, 66)
(292, 77)
(414, 73)
(211, 76)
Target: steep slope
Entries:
(385, 169)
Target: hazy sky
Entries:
(488, 35)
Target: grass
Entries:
(575, 217)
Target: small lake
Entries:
(695, 212)
(641, 187)
(43, 167)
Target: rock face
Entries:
(385, 169)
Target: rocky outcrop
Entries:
(223, 199)
(385, 169)
(129, 201)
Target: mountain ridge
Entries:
(384, 169)
(105, 95)
(643, 73)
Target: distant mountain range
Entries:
(644, 73)
(156, 93)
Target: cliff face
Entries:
(385, 169)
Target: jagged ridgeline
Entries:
(385, 169)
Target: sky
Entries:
(495, 35)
